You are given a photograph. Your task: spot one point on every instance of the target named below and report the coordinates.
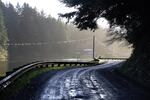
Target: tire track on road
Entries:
(78, 84)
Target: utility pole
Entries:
(93, 47)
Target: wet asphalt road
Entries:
(87, 84)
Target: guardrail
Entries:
(13, 76)
(113, 58)
(10, 78)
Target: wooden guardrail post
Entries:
(52, 65)
(65, 64)
(46, 65)
(41, 66)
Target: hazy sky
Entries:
(51, 7)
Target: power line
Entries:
(46, 43)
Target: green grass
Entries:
(3, 68)
(24, 80)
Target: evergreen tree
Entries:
(132, 16)
(3, 36)
(32, 27)
(3, 33)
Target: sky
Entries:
(52, 7)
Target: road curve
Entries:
(81, 84)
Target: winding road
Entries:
(87, 84)
(99, 82)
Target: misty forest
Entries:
(133, 19)
(28, 36)
(35, 36)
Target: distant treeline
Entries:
(42, 37)
(25, 24)
(3, 36)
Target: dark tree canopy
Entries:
(130, 14)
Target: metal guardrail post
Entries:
(10, 78)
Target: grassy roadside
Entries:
(24, 80)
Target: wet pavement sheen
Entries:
(79, 84)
